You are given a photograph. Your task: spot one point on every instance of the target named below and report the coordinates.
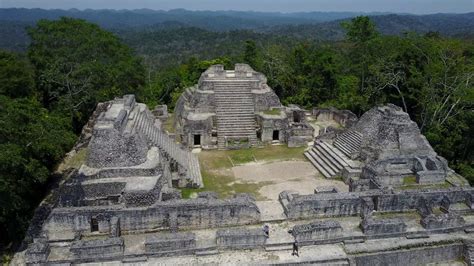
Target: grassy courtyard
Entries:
(216, 168)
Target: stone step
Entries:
(352, 135)
(348, 142)
(234, 104)
(322, 163)
(334, 153)
(221, 106)
(243, 114)
(233, 98)
(354, 241)
(417, 235)
(232, 88)
(135, 259)
(328, 162)
(235, 122)
(317, 165)
(348, 146)
(207, 252)
(236, 135)
(343, 149)
(279, 247)
(328, 156)
(235, 129)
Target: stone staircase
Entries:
(184, 158)
(349, 143)
(235, 112)
(327, 159)
(469, 253)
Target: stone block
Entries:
(442, 221)
(320, 230)
(241, 238)
(97, 249)
(371, 226)
(169, 242)
(37, 252)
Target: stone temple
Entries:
(230, 109)
(381, 149)
(400, 203)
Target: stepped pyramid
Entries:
(235, 111)
(226, 110)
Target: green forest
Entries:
(48, 92)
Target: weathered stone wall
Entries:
(37, 252)
(269, 123)
(96, 250)
(320, 230)
(101, 190)
(442, 221)
(202, 126)
(343, 117)
(240, 238)
(299, 134)
(323, 205)
(353, 203)
(109, 148)
(371, 226)
(169, 242)
(267, 100)
(193, 213)
(410, 199)
(418, 256)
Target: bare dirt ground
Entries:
(299, 176)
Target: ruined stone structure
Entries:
(122, 205)
(380, 150)
(127, 185)
(231, 109)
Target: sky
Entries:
(396, 6)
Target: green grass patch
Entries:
(224, 184)
(417, 186)
(272, 112)
(409, 180)
(168, 125)
(75, 161)
(391, 215)
(218, 176)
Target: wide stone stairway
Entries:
(235, 112)
(349, 143)
(327, 159)
(184, 158)
(469, 253)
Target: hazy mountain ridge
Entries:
(144, 28)
(220, 20)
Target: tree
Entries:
(16, 76)
(32, 142)
(251, 54)
(78, 64)
(360, 30)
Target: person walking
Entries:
(266, 230)
(295, 249)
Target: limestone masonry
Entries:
(231, 109)
(391, 200)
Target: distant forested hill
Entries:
(211, 20)
(171, 37)
(452, 25)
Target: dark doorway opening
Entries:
(276, 135)
(296, 117)
(94, 225)
(259, 135)
(197, 140)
